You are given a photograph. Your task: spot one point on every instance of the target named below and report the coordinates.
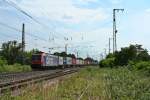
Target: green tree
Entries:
(143, 56)
(63, 54)
(28, 55)
(126, 54)
(110, 55)
(134, 53)
(109, 62)
(131, 53)
(11, 51)
(2, 61)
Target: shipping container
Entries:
(60, 60)
(78, 62)
(69, 61)
(51, 60)
(85, 62)
(74, 61)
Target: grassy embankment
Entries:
(93, 84)
(14, 68)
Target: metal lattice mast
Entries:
(115, 29)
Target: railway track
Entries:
(14, 81)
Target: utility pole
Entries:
(66, 44)
(105, 52)
(50, 49)
(115, 29)
(23, 42)
(87, 54)
(66, 47)
(77, 54)
(109, 45)
(101, 56)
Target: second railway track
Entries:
(13, 81)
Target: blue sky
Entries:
(87, 22)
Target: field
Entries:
(92, 84)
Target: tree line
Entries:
(11, 53)
(134, 57)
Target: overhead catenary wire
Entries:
(8, 36)
(13, 28)
(11, 3)
(26, 14)
(53, 25)
(29, 34)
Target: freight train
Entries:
(47, 61)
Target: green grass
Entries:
(127, 85)
(14, 68)
(93, 84)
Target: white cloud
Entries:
(87, 1)
(116, 1)
(136, 29)
(147, 10)
(62, 11)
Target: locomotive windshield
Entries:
(36, 57)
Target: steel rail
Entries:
(14, 84)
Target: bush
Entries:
(142, 65)
(15, 68)
(2, 62)
(109, 62)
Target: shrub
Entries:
(15, 68)
(142, 65)
(2, 62)
(109, 62)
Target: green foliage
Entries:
(15, 68)
(143, 56)
(121, 58)
(142, 65)
(125, 55)
(11, 51)
(110, 56)
(91, 84)
(89, 69)
(109, 62)
(71, 55)
(28, 56)
(131, 53)
(123, 84)
(63, 54)
(2, 61)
